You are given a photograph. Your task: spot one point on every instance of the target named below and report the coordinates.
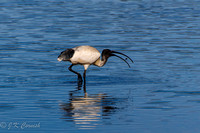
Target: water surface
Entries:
(159, 93)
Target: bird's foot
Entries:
(80, 78)
(80, 81)
(79, 84)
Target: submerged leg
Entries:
(84, 77)
(79, 75)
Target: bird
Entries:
(87, 55)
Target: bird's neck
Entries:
(100, 62)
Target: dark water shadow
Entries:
(87, 111)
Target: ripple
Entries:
(179, 93)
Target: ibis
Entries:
(86, 56)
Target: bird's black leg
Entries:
(79, 75)
(84, 77)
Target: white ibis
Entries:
(86, 56)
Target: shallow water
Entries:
(159, 93)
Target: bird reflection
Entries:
(85, 110)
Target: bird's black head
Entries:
(106, 53)
(66, 55)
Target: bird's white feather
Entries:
(85, 55)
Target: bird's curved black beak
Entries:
(121, 57)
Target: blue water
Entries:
(160, 93)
